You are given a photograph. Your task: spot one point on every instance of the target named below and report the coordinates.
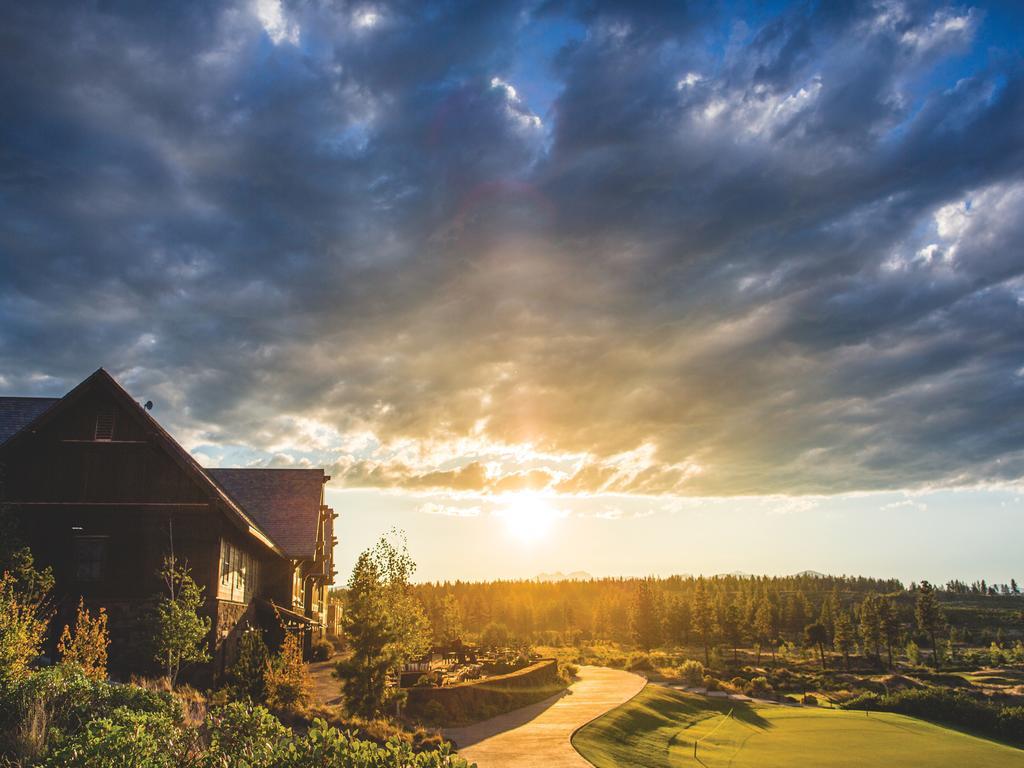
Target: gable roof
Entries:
(285, 503)
(180, 456)
(16, 413)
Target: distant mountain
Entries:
(735, 574)
(559, 576)
(812, 574)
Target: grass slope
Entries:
(658, 727)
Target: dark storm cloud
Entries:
(760, 255)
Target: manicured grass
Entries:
(657, 730)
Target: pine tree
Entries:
(890, 625)
(732, 627)
(247, 676)
(871, 626)
(645, 623)
(844, 636)
(929, 617)
(703, 617)
(816, 634)
(763, 629)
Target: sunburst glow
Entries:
(528, 516)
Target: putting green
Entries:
(657, 729)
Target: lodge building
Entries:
(102, 494)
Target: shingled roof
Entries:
(16, 413)
(284, 502)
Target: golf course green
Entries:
(659, 726)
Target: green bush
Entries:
(247, 677)
(641, 662)
(710, 683)
(321, 650)
(809, 700)
(758, 687)
(948, 706)
(244, 735)
(692, 672)
(126, 738)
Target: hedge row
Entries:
(950, 707)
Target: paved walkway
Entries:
(325, 688)
(538, 736)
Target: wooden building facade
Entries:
(102, 494)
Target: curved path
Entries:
(538, 736)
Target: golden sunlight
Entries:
(528, 516)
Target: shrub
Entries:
(568, 672)
(22, 631)
(641, 662)
(86, 647)
(710, 683)
(758, 686)
(809, 700)
(244, 735)
(287, 685)
(948, 706)
(692, 672)
(321, 650)
(247, 678)
(126, 738)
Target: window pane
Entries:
(90, 553)
(225, 563)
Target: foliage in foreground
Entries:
(61, 717)
(237, 735)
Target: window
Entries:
(104, 425)
(297, 596)
(225, 564)
(239, 573)
(243, 569)
(90, 557)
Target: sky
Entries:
(617, 287)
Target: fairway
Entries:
(659, 726)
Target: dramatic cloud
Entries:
(584, 247)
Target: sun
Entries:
(528, 516)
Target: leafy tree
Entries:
(703, 617)
(180, 629)
(286, 680)
(645, 623)
(816, 634)
(495, 636)
(871, 626)
(384, 624)
(86, 647)
(843, 636)
(450, 631)
(247, 677)
(929, 617)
